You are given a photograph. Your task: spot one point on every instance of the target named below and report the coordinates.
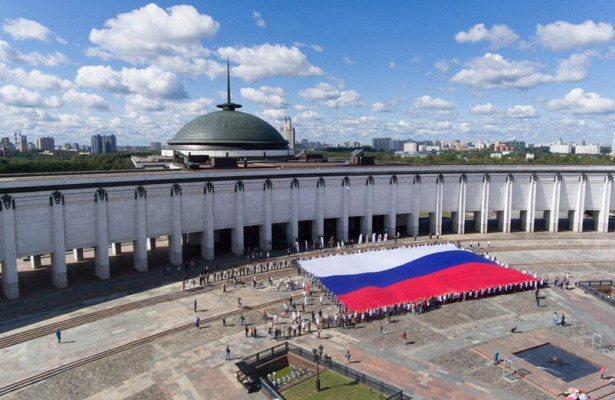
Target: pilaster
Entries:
(207, 239)
(391, 222)
(293, 226)
(529, 215)
(368, 218)
(576, 223)
(435, 218)
(459, 217)
(416, 205)
(265, 232)
(140, 243)
(10, 278)
(342, 222)
(58, 256)
(101, 251)
(318, 226)
(481, 218)
(553, 212)
(175, 239)
(237, 246)
(601, 220)
(505, 215)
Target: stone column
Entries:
(416, 205)
(481, 218)
(504, 216)
(435, 218)
(601, 218)
(318, 226)
(368, 219)
(528, 217)
(139, 244)
(101, 250)
(342, 221)
(78, 254)
(175, 239)
(237, 245)
(293, 225)
(35, 261)
(207, 238)
(58, 256)
(391, 222)
(576, 222)
(151, 243)
(552, 215)
(265, 234)
(459, 217)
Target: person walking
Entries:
(404, 338)
(602, 372)
(194, 305)
(223, 321)
(555, 318)
(59, 336)
(228, 353)
(496, 357)
(563, 320)
(347, 357)
(197, 321)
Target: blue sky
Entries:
(343, 71)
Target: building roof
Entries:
(228, 127)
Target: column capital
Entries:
(140, 192)
(8, 202)
(176, 190)
(100, 195)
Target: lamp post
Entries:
(317, 359)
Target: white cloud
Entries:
(265, 96)
(416, 59)
(317, 48)
(146, 33)
(137, 104)
(309, 115)
(497, 35)
(392, 65)
(516, 112)
(321, 92)
(494, 71)
(150, 81)
(443, 125)
(442, 66)
(88, 100)
(12, 56)
(348, 61)
(331, 96)
(579, 102)
(433, 103)
(192, 66)
(34, 79)
(387, 106)
(562, 35)
(24, 29)
(522, 112)
(266, 60)
(260, 22)
(19, 97)
(484, 109)
(347, 98)
(273, 116)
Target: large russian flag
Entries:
(383, 277)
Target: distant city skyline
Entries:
(344, 72)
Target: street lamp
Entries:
(317, 359)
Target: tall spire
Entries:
(228, 106)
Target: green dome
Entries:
(229, 127)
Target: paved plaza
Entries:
(439, 362)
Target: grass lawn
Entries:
(332, 386)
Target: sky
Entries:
(341, 70)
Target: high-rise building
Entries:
(22, 143)
(381, 144)
(109, 145)
(103, 144)
(288, 132)
(45, 143)
(97, 144)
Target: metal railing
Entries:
(589, 287)
(391, 391)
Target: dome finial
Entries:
(228, 106)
